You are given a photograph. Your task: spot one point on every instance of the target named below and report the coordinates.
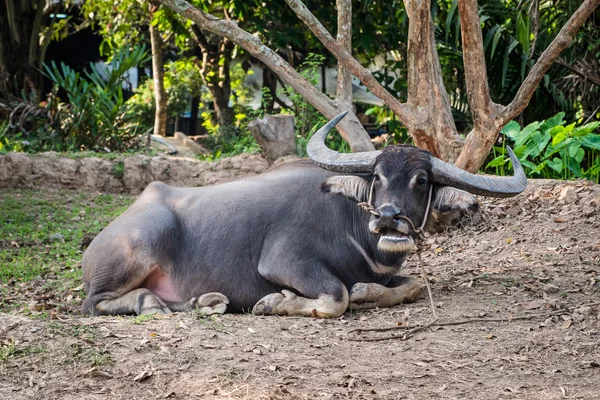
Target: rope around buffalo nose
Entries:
(419, 240)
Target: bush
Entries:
(95, 116)
(551, 149)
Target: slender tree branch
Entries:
(593, 79)
(344, 38)
(405, 113)
(558, 45)
(478, 92)
(349, 127)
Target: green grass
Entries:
(41, 232)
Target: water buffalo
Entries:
(292, 241)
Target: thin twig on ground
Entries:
(453, 323)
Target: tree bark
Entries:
(158, 75)
(350, 128)
(344, 38)
(426, 89)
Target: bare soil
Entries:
(538, 253)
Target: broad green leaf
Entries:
(586, 129)
(560, 136)
(591, 141)
(550, 123)
(497, 162)
(556, 164)
(538, 168)
(511, 129)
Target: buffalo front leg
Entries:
(289, 303)
(316, 292)
(371, 295)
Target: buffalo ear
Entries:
(353, 187)
(451, 207)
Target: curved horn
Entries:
(492, 186)
(326, 158)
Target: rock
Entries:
(550, 288)
(568, 195)
(578, 317)
(584, 310)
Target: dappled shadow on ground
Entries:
(537, 253)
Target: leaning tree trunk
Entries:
(158, 75)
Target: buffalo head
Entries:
(401, 183)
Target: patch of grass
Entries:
(118, 169)
(40, 236)
(96, 357)
(12, 350)
(7, 350)
(142, 319)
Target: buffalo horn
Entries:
(334, 161)
(484, 185)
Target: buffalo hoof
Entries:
(271, 303)
(210, 303)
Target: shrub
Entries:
(552, 149)
(95, 116)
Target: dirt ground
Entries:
(538, 253)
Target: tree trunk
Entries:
(158, 75)
(344, 38)
(426, 89)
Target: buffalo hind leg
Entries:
(207, 304)
(138, 301)
(370, 295)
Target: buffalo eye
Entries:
(422, 182)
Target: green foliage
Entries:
(552, 149)
(94, 118)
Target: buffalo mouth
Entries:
(395, 241)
